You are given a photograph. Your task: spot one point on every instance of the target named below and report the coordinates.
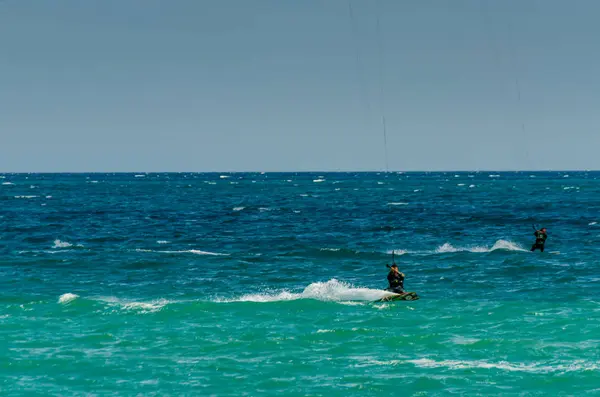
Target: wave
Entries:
(61, 244)
(195, 252)
(399, 203)
(502, 245)
(66, 298)
(575, 366)
(25, 197)
(7, 183)
(144, 307)
(330, 291)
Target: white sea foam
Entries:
(25, 197)
(66, 298)
(140, 176)
(236, 209)
(332, 291)
(196, 252)
(559, 367)
(163, 242)
(498, 245)
(224, 176)
(61, 244)
(397, 252)
(574, 366)
(318, 180)
(7, 183)
(143, 307)
(48, 197)
(471, 186)
(397, 203)
(460, 184)
(592, 223)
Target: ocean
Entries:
(263, 284)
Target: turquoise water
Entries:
(262, 284)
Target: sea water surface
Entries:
(263, 284)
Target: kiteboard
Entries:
(405, 296)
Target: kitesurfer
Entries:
(540, 239)
(396, 280)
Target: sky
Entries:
(277, 85)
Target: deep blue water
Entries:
(262, 284)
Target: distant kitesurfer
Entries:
(396, 280)
(540, 239)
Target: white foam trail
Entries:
(7, 183)
(25, 197)
(318, 180)
(498, 245)
(66, 298)
(163, 242)
(61, 244)
(494, 176)
(398, 203)
(196, 252)
(592, 223)
(330, 291)
(224, 176)
(140, 176)
(236, 209)
(471, 186)
(460, 184)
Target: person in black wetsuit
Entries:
(540, 239)
(396, 280)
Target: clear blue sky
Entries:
(272, 85)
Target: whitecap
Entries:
(471, 186)
(494, 176)
(7, 183)
(143, 307)
(461, 184)
(66, 298)
(398, 203)
(318, 180)
(163, 242)
(224, 176)
(140, 176)
(236, 209)
(592, 223)
(61, 244)
(195, 252)
(48, 197)
(397, 252)
(25, 197)
(574, 366)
